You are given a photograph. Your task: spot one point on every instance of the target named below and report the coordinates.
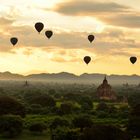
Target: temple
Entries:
(104, 91)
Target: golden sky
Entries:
(115, 24)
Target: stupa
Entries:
(105, 91)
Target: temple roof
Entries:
(105, 90)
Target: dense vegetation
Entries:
(67, 112)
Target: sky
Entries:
(114, 23)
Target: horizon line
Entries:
(70, 73)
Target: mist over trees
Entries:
(67, 111)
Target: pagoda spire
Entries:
(105, 80)
(105, 77)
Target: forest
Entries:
(39, 110)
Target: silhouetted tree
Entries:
(134, 122)
(134, 99)
(82, 122)
(44, 101)
(58, 122)
(66, 108)
(86, 103)
(104, 132)
(37, 127)
(102, 107)
(10, 126)
(10, 105)
(52, 92)
(36, 109)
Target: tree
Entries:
(44, 101)
(134, 122)
(10, 126)
(2, 92)
(136, 111)
(133, 100)
(102, 107)
(112, 111)
(59, 122)
(82, 122)
(29, 93)
(66, 108)
(65, 133)
(123, 111)
(52, 92)
(10, 105)
(85, 106)
(102, 114)
(37, 127)
(104, 132)
(72, 97)
(86, 103)
(36, 109)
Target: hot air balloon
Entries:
(14, 40)
(91, 38)
(133, 59)
(87, 59)
(39, 26)
(49, 34)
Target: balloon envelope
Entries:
(91, 38)
(87, 59)
(133, 59)
(49, 34)
(14, 40)
(39, 26)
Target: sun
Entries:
(100, 27)
(93, 24)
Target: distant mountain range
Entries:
(69, 77)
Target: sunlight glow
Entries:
(45, 3)
(110, 51)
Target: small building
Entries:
(105, 91)
(26, 84)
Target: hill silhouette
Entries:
(95, 78)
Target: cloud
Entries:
(5, 21)
(105, 42)
(89, 7)
(63, 60)
(108, 12)
(125, 20)
(28, 37)
(28, 51)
